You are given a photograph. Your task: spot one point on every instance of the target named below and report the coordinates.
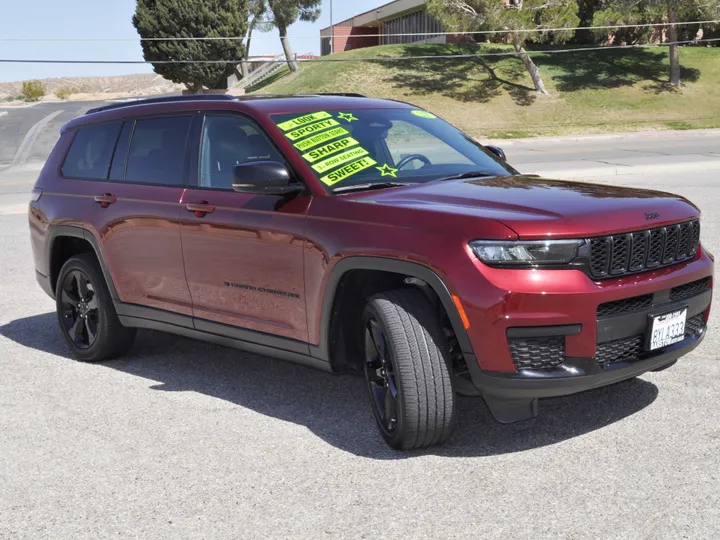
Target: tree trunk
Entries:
(674, 47)
(531, 68)
(245, 64)
(289, 56)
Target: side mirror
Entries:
(264, 178)
(497, 151)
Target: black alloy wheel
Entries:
(380, 376)
(79, 304)
(86, 312)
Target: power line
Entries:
(372, 59)
(416, 34)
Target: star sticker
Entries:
(347, 116)
(387, 170)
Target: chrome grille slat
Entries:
(638, 251)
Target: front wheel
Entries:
(406, 369)
(86, 312)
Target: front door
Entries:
(243, 253)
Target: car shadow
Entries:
(335, 408)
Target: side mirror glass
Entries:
(497, 151)
(264, 178)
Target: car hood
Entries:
(534, 207)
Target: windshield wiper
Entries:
(469, 174)
(368, 187)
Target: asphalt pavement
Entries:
(183, 439)
(28, 134)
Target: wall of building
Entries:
(400, 17)
(416, 22)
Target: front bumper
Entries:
(505, 305)
(581, 374)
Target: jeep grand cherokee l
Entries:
(356, 234)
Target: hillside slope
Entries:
(98, 87)
(592, 91)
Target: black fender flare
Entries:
(394, 266)
(59, 231)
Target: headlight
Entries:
(531, 253)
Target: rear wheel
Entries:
(406, 369)
(86, 312)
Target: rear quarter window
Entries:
(91, 151)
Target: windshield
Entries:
(384, 146)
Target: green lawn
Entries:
(591, 92)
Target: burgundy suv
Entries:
(356, 234)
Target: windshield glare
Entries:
(350, 147)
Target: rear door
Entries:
(135, 210)
(243, 253)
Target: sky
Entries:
(111, 19)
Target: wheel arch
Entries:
(403, 269)
(60, 232)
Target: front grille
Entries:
(537, 353)
(630, 349)
(690, 289)
(626, 305)
(694, 327)
(620, 350)
(621, 254)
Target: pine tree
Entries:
(193, 18)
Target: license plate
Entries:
(668, 329)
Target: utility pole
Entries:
(332, 29)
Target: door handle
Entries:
(201, 209)
(105, 200)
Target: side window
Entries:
(228, 141)
(117, 169)
(405, 139)
(157, 150)
(91, 151)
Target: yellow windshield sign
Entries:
(348, 170)
(320, 138)
(303, 120)
(319, 153)
(423, 114)
(310, 129)
(335, 161)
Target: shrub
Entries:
(65, 92)
(33, 90)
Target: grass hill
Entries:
(493, 97)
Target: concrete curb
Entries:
(618, 170)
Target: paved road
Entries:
(19, 122)
(187, 440)
(656, 152)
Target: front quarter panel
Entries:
(338, 228)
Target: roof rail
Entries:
(166, 99)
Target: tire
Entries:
(408, 359)
(85, 309)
